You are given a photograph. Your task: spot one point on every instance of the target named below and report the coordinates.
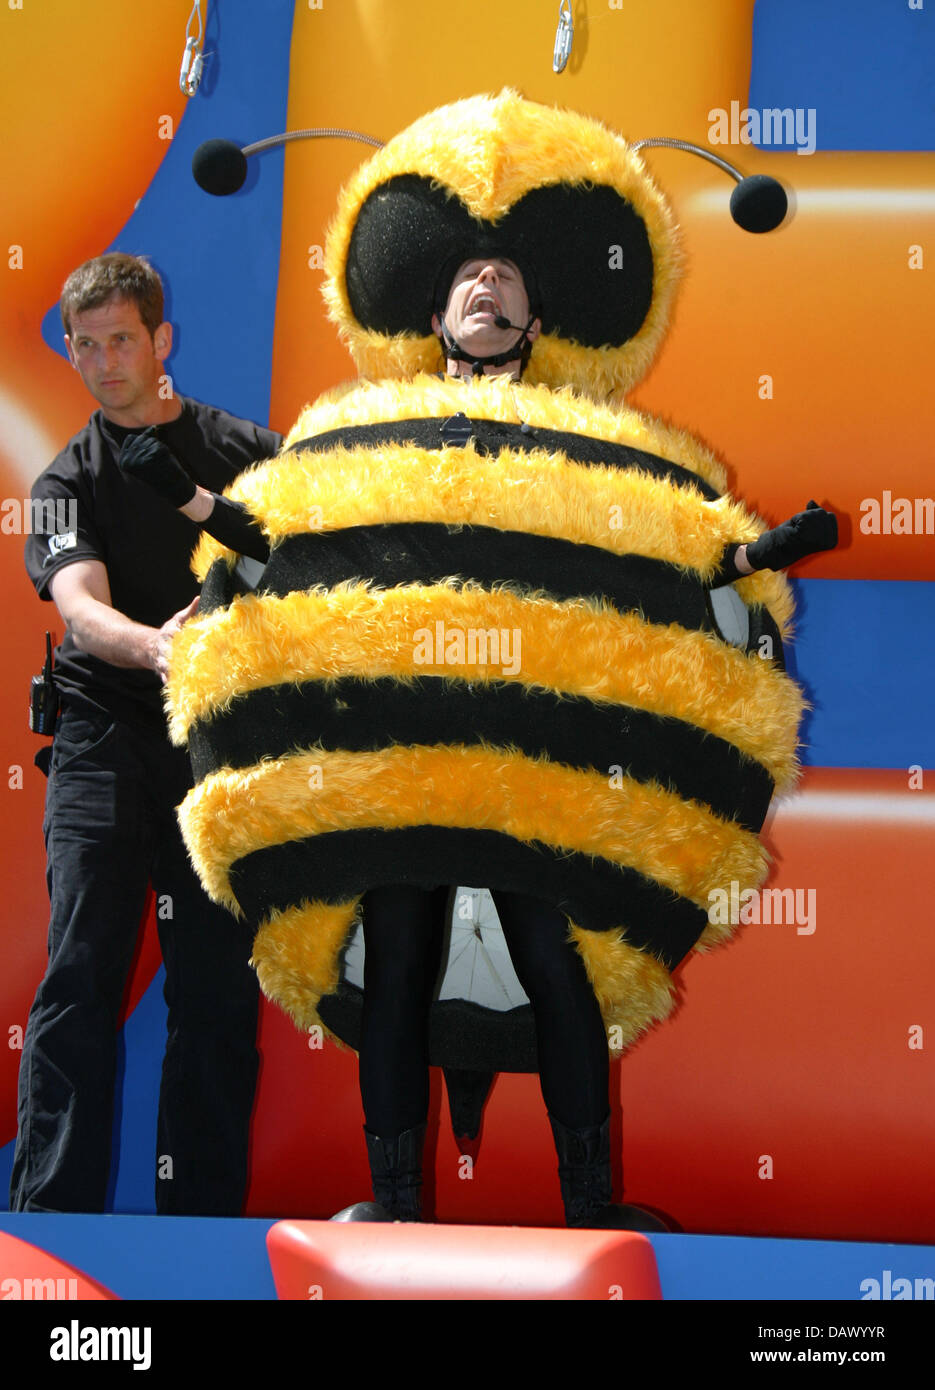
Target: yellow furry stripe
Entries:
(510, 403)
(576, 648)
(494, 149)
(553, 361)
(772, 591)
(634, 990)
(539, 493)
(206, 551)
(297, 956)
(497, 399)
(679, 844)
(601, 371)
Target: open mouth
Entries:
(484, 303)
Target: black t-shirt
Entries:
(93, 511)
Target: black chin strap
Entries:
(454, 350)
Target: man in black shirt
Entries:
(117, 569)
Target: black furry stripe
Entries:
(763, 624)
(594, 893)
(660, 592)
(430, 552)
(221, 586)
(490, 436)
(364, 716)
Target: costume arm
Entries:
(803, 534)
(228, 522)
(146, 457)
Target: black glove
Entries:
(146, 457)
(803, 534)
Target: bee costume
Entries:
(492, 642)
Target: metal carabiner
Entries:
(190, 71)
(192, 59)
(564, 36)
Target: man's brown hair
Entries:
(114, 276)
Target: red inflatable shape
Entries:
(26, 1272)
(393, 1260)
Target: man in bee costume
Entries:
(487, 644)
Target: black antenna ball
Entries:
(758, 203)
(219, 167)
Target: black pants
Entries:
(403, 934)
(110, 831)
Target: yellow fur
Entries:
(574, 647)
(680, 844)
(296, 954)
(538, 493)
(507, 402)
(619, 510)
(632, 988)
(490, 151)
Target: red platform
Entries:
(387, 1261)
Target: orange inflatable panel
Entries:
(393, 1261)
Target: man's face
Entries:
(118, 361)
(481, 291)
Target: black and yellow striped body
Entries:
(483, 651)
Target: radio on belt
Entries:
(43, 696)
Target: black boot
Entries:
(396, 1172)
(584, 1177)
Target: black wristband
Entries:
(232, 525)
(727, 570)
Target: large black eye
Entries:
(587, 246)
